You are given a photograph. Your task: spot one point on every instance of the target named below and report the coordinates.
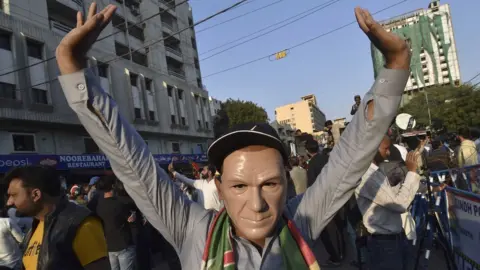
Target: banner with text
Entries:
(464, 220)
(89, 161)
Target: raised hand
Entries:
(393, 47)
(72, 50)
(412, 161)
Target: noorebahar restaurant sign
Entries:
(89, 161)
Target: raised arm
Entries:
(358, 144)
(377, 189)
(133, 164)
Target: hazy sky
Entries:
(334, 67)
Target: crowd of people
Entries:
(255, 206)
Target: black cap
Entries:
(241, 136)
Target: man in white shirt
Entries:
(207, 194)
(381, 205)
(10, 238)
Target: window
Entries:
(133, 79)
(190, 21)
(118, 22)
(180, 94)
(148, 84)
(151, 115)
(39, 96)
(197, 63)
(199, 123)
(184, 121)
(175, 147)
(34, 49)
(140, 58)
(206, 125)
(194, 43)
(199, 83)
(424, 66)
(5, 42)
(24, 142)
(90, 146)
(427, 80)
(122, 51)
(138, 113)
(172, 118)
(7, 91)
(169, 91)
(136, 31)
(102, 70)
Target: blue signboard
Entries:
(92, 161)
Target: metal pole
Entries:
(428, 108)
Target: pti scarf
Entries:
(219, 255)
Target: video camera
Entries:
(410, 134)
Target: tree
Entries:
(233, 112)
(454, 106)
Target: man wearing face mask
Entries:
(207, 194)
(257, 229)
(382, 201)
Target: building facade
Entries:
(287, 135)
(215, 106)
(429, 33)
(157, 86)
(303, 115)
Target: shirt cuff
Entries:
(391, 82)
(75, 85)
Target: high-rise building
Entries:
(303, 115)
(429, 33)
(157, 86)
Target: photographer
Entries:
(381, 200)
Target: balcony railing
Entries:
(59, 27)
(177, 73)
(175, 51)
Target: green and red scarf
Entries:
(219, 255)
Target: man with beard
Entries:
(257, 229)
(207, 194)
(63, 235)
(382, 200)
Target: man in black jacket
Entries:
(63, 235)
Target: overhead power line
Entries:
(239, 16)
(156, 41)
(311, 12)
(265, 28)
(107, 36)
(297, 45)
(473, 78)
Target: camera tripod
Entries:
(431, 226)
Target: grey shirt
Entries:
(184, 223)
(381, 204)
